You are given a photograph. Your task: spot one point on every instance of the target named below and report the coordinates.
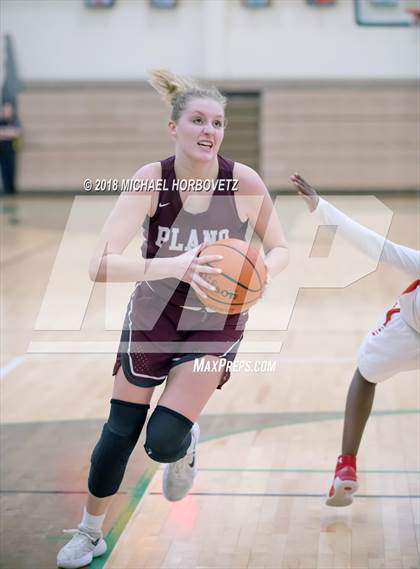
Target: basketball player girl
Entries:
(165, 308)
(393, 345)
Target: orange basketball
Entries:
(241, 283)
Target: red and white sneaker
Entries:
(345, 482)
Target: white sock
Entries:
(192, 443)
(90, 522)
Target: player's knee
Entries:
(358, 376)
(118, 439)
(168, 435)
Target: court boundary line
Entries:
(306, 470)
(335, 416)
(244, 470)
(288, 495)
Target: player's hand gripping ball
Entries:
(241, 283)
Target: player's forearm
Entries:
(116, 268)
(372, 244)
(276, 260)
(364, 239)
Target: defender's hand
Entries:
(305, 190)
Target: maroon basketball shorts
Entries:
(159, 335)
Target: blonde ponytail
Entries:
(169, 85)
(178, 91)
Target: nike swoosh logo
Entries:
(193, 461)
(95, 542)
(163, 204)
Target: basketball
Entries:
(241, 283)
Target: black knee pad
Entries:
(168, 435)
(118, 439)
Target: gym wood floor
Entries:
(269, 441)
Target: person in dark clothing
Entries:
(9, 133)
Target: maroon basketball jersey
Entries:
(171, 230)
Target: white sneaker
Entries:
(178, 477)
(81, 549)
